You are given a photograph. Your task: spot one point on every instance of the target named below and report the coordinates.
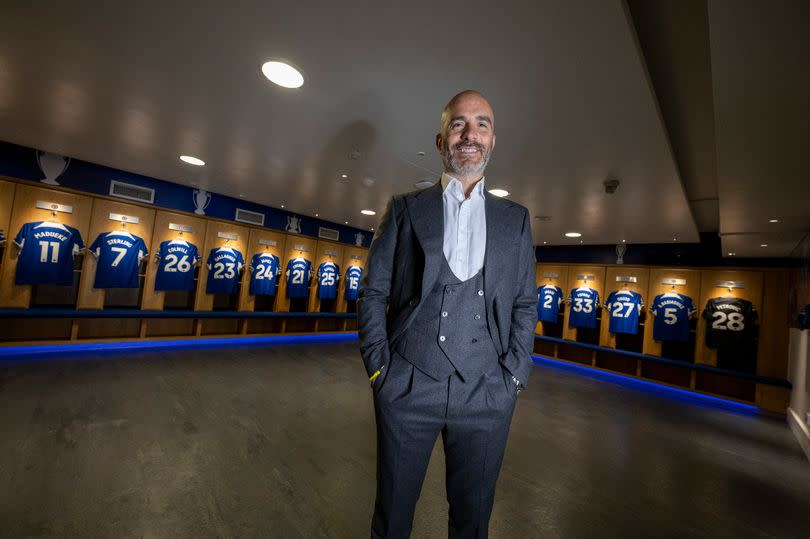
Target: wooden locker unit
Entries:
(247, 302)
(598, 284)
(774, 336)
(352, 256)
(607, 339)
(642, 286)
(541, 279)
(152, 300)
(321, 255)
(24, 210)
(93, 298)
(659, 372)
(204, 301)
(295, 245)
(6, 204)
(708, 289)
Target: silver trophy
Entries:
(358, 239)
(293, 224)
(52, 166)
(202, 199)
(621, 248)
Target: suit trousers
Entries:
(473, 418)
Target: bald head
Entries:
(473, 95)
(466, 136)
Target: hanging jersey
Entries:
(298, 275)
(46, 253)
(584, 303)
(119, 256)
(224, 265)
(548, 303)
(353, 276)
(672, 312)
(729, 322)
(2, 237)
(624, 307)
(264, 271)
(176, 260)
(328, 278)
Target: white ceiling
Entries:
(761, 81)
(134, 85)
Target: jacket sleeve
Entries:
(375, 289)
(518, 358)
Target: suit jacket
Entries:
(404, 261)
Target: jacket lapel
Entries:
(497, 238)
(427, 218)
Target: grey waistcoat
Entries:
(450, 333)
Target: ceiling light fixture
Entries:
(572, 234)
(368, 212)
(191, 160)
(283, 74)
(344, 176)
(763, 244)
(499, 192)
(773, 220)
(316, 215)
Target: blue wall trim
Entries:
(683, 395)
(51, 169)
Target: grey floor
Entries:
(278, 441)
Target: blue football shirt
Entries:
(353, 276)
(224, 265)
(672, 312)
(548, 302)
(328, 278)
(584, 303)
(624, 307)
(176, 260)
(119, 255)
(299, 273)
(264, 271)
(46, 253)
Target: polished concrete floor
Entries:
(278, 441)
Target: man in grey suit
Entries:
(446, 315)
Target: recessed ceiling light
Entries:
(674, 239)
(316, 215)
(191, 160)
(344, 175)
(283, 74)
(544, 243)
(732, 254)
(499, 192)
(622, 241)
(241, 196)
(368, 212)
(372, 229)
(282, 205)
(580, 241)
(773, 220)
(572, 234)
(763, 244)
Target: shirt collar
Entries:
(456, 190)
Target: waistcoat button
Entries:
(478, 317)
(444, 314)
(441, 338)
(480, 292)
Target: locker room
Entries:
(264, 271)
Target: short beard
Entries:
(451, 165)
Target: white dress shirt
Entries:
(465, 227)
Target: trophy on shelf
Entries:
(293, 224)
(358, 239)
(202, 199)
(52, 166)
(621, 248)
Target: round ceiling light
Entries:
(499, 192)
(283, 74)
(191, 160)
(572, 234)
(773, 220)
(368, 212)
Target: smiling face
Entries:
(467, 135)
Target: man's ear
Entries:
(439, 142)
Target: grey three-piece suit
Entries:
(450, 349)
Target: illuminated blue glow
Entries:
(17, 352)
(684, 395)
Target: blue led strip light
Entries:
(16, 352)
(631, 381)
